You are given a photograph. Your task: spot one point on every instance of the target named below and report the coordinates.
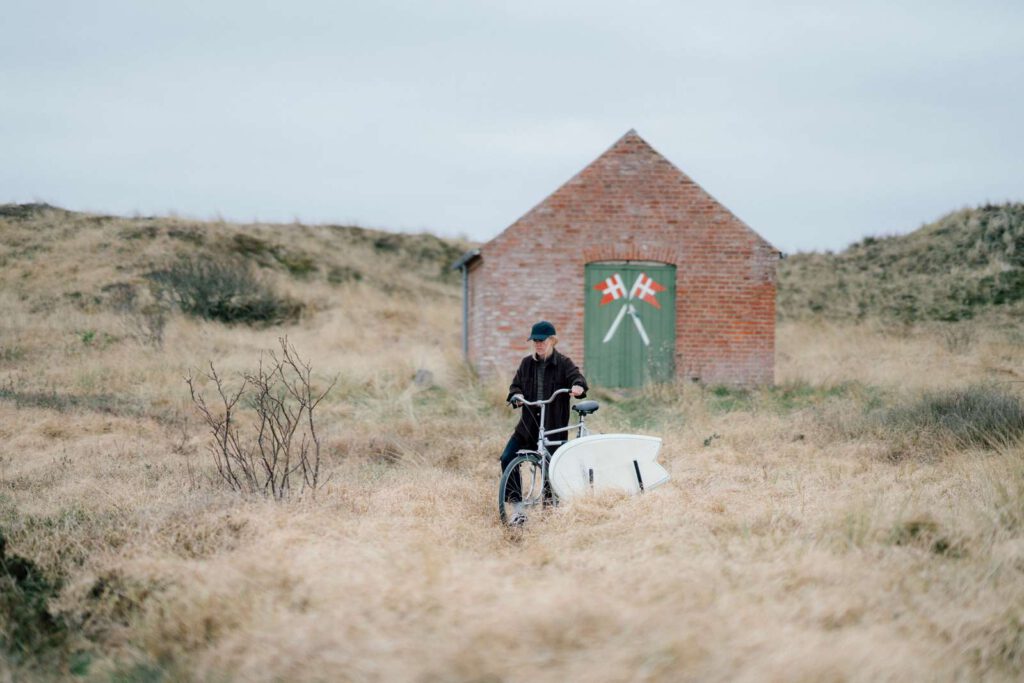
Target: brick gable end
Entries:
(630, 204)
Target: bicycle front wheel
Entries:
(521, 489)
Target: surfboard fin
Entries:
(639, 479)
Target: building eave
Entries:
(466, 259)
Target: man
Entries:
(539, 375)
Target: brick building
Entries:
(644, 274)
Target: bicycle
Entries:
(528, 471)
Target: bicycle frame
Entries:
(542, 435)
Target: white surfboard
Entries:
(627, 462)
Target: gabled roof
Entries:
(622, 162)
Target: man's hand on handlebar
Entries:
(519, 400)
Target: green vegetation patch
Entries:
(978, 417)
(140, 232)
(190, 234)
(925, 533)
(224, 289)
(140, 672)
(656, 405)
(637, 411)
(949, 270)
(725, 399)
(12, 353)
(339, 275)
(782, 398)
(28, 629)
(109, 404)
(267, 254)
(25, 211)
(425, 253)
(299, 265)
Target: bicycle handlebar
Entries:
(524, 402)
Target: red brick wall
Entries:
(630, 204)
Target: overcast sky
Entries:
(817, 123)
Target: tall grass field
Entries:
(862, 520)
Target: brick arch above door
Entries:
(631, 252)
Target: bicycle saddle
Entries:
(586, 407)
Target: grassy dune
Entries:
(968, 262)
(821, 529)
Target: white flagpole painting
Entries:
(639, 325)
(644, 289)
(615, 325)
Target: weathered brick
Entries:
(630, 204)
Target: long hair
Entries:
(554, 342)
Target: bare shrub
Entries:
(222, 288)
(283, 441)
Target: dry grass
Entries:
(789, 545)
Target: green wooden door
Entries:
(629, 323)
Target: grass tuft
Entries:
(975, 417)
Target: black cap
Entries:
(541, 331)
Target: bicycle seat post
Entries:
(540, 430)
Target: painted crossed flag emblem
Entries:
(644, 289)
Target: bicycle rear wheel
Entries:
(521, 489)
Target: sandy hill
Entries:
(49, 254)
(968, 262)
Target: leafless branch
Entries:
(284, 439)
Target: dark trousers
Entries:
(513, 492)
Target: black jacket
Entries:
(559, 373)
